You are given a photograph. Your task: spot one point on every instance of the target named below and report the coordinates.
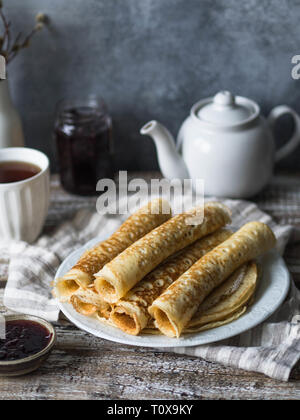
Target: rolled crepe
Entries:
(131, 314)
(127, 269)
(135, 227)
(174, 309)
(87, 302)
(225, 304)
(228, 298)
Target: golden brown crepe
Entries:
(227, 299)
(121, 274)
(205, 327)
(135, 227)
(236, 315)
(88, 302)
(225, 304)
(131, 314)
(174, 309)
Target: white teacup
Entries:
(24, 204)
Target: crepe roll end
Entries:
(127, 322)
(106, 289)
(164, 323)
(81, 307)
(129, 317)
(104, 312)
(69, 284)
(65, 288)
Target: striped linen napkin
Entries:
(272, 348)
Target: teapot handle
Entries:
(295, 139)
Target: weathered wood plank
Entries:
(84, 367)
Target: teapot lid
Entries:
(225, 109)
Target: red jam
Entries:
(84, 144)
(23, 339)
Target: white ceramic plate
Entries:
(271, 292)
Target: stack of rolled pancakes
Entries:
(159, 274)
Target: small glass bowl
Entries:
(33, 362)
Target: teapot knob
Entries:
(224, 98)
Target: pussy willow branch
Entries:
(6, 35)
(17, 47)
(10, 50)
(14, 51)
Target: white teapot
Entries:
(226, 142)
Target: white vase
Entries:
(11, 130)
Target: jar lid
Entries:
(225, 109)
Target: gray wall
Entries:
(153, 59)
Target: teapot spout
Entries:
(170, 162)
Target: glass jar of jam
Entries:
(83, 133)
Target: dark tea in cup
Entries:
(24, 193)
(15, 171)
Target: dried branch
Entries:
(10, 50)
(6, 35)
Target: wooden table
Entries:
(85, 367)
